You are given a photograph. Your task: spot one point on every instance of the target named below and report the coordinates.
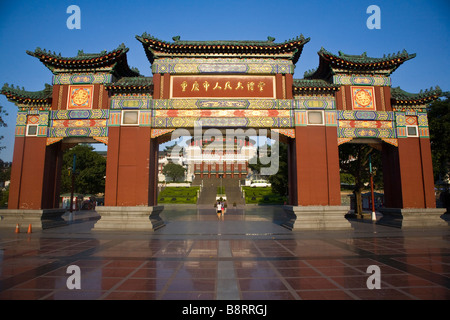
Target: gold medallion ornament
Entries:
(80, 97)
(363, 98)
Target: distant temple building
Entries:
(201, 159)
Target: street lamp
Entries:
(73, 186)
(374, 216)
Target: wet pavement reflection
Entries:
(244, 255)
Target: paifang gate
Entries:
(223, 84)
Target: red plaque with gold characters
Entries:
(229, 86)
(363, 98)
(80, 97)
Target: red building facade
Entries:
(223, 85)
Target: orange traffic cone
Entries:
(17, 228)
(29, 228)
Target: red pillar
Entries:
(408, 174)
(317, 166)
(416, 173)
(132, 160)
(292, 173)
(35, 174)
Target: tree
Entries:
(278, 181)
(2, 123)
(439, 124)
(354, 160)
(174, 171)
(90, 170)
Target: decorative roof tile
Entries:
(114, 61)
(131, 83)
(21, 96)
(401, 97)
(307, 85)
(330, 64)
(290, 49)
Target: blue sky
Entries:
(420, 27)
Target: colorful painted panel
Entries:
(222, 113)
(131, 102)
(78, 123)
(176, 122)
(145, 118)
(78, 132)
(220, 65)
(80, 97)
(222, 87)
(365, 115)
(300, 118)
(365, 124)
(114, 118)
(159, 132)
(375, 80)
(315, 102)
(286, 132)
(411, 120)
(366, 133)
(21, 119)
(79, 114)
(330, 118)
(78, 78)
(363, 98)
(33, 119)
(222, 104)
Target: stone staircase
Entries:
(209, 191)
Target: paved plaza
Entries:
(245, 256)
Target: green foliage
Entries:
(347, 178)
(178, 195)
(5, 171)
(279, 181)
(220, 190)
(4, 197)
(263, 195)
(439, 124)
(354, 161)
(174, 171)
(90, 170)
(2, 123)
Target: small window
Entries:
(32, 130)
(315, 117)
(130, 117)
(412, 131)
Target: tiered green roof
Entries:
(330, 64)
(313, 85)
(400, 97)
(19, 96)
(114, 61)
(131, 84)
(155, 48)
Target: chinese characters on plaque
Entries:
(222, 86)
